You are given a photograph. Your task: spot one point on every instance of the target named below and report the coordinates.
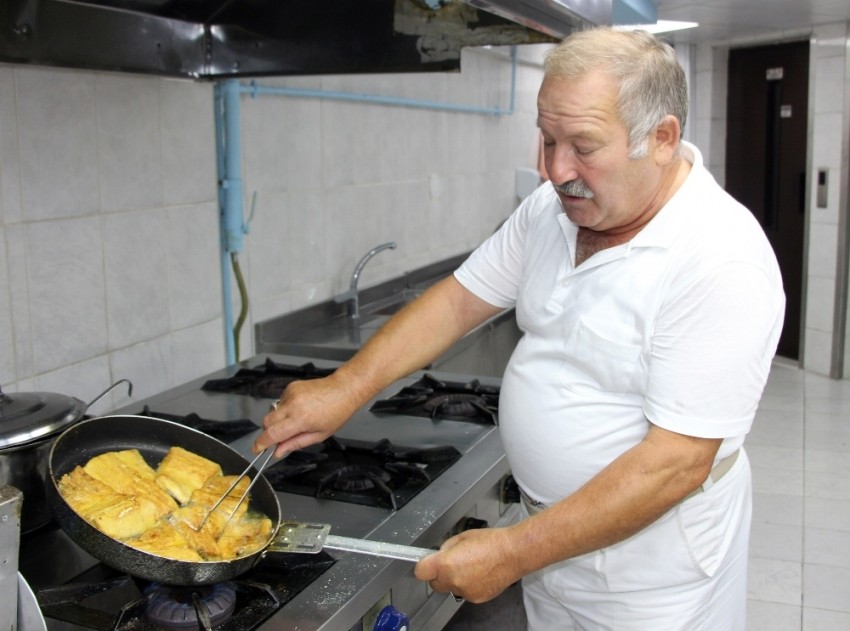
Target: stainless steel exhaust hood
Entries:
(212, 39)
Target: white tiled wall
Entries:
(109, 243)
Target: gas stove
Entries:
(386, 476)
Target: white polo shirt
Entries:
(677, 326)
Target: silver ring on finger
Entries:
(458, 599)
(274, 405)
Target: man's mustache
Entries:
(574, 188)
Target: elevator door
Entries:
(766, 158)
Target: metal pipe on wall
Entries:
(229, 161)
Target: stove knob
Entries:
(391, 619)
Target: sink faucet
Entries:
(351, 294)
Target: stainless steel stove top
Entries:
(347, 591)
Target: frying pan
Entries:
(153, 438)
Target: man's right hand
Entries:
(307, 412)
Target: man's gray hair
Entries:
(652, 82)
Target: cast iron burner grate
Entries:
(266, 381)
(106, 600)
(432, 398)
(227, 431)
(360, 472)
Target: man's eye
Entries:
(584, 151)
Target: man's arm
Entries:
(629, 494)
(310, 411)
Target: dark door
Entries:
(766, 157)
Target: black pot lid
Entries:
(28, 416)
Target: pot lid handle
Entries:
(110, 389)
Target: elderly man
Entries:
(651, 305)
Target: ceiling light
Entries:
(661, 26)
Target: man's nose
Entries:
(561, 167)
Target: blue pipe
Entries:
(254, 90)
(229, 155)
(228, 164)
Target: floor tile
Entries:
(765, 616)
(827, 547)
(777, 480)
(826, 587)
(776, 541)
(775, 581)
(826, 513)
(777, 508)
(776, 457)
(820, 620)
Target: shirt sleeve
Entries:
(493, 271)
(711, 352)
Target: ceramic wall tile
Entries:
(818, 351)
(193, 264)
(305, 242)
(84, 380)
(197, 350)
(188, 142)
(57, 143)
(18, 275)
(819, 303)
(137, 272)
(10, 172)
(129, 147)
(8, 373)
(823, 253)
(282, 140)
(67, 297)
(150, 365)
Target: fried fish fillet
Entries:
(244, 536)
(181, 472)
(112, 469)
(116, 514)
(215, 487)
(85, 494)
(166, 541)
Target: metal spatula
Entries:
(311, 538)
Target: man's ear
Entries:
(667, 136)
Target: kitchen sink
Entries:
(327, 331)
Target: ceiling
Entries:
(740, 21)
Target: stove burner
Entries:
(267, 380)
(223, 430)
(179, 607)
(358, 478)
(432, 398)
(455, 405)
(378, 474)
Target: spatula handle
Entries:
(377, 548)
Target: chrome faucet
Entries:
(351, 294)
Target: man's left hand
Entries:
(477, 565)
